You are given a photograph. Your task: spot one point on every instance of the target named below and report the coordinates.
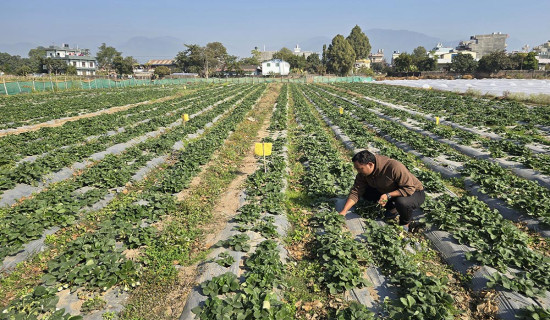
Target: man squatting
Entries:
(388, 182)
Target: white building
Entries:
(80, 58)
(275, 66)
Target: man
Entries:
(388, 182)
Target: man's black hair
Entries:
(364, 157)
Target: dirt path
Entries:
(62, 121)
(223, 211)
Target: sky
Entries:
(243, 24)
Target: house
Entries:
(362, 63)
(377, 57)
(275, 67)
(483, 44)
(85, 64)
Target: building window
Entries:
(91, 64)
(74, 63)
(269, 64)
(277, 64)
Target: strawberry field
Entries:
(114, 207)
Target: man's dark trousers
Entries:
(403, 205)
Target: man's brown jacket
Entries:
(388, 175)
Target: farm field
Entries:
(124, 208)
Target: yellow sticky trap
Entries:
(341, 110)
(263, 149)
(437, 120)
(184, 87)
(185, 117)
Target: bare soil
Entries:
(224, 210)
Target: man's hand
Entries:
(383, 200)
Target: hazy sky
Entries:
(243, 24)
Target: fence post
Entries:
(33, 87)
(5, 88)
(18, 86)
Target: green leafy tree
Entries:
(162, 71)
(105, 56)
(123, 66)
(11, 64)
(71, 70)
(254, 60)
(359, 42)
(23, 70)
(202, 60)
(297, 63)
(324, 57)
(419, 52)
(463, 63)
(340, 56)
(313, 63)
(284, 54)
(36, 58)
(426, 64)
(404, 63)
(495, 61)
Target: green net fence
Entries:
(16, 87)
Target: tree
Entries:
(105, 56)
(463, 63)
(297, 63)
(71, 70)
(381, 67)
(284, 54)
(313, 63)
(359, 42)
(324, 57)
(254, 60)
(23, 71)
(495, 61)
(123, 66)
(404, 63)
(162, 71)
(202, 60)
(36, 58)
(340, 56)
(426, 64)
(530, 62)
(419, 53)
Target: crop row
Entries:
(61, 204)
(496, 241)
(30, 172)
(16, 111)
(460, 108)
(522, 194)
(257, 296)
(95, 261)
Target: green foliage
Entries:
(225, 283)
(340, 56)
(95, 303)
(463, 63)
(225, 259)
(106, 55)
(359, 42)
(202, 60)
(534, 313)
(123, 66)
(162, 71)
(238, 242)
(494, 62)
(355, 311)
(39, 304)
(404, 63)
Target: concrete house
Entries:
(275, 67)
(80, 58)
